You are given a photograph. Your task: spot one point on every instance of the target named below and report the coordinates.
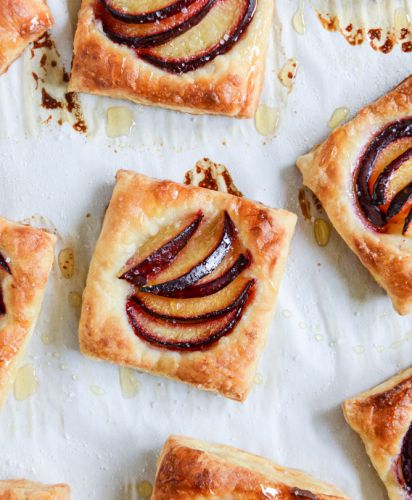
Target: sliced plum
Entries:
(152, 34)
(162, 257)
(213, 286)
(201, 269)
(407, 222)
(2, 304)
(145, 11)
(399, 201)
(406, 460)
(380, 188)
(178, 336)
(195, 310)
(215, 35)
(394, 131)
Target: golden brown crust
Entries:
(328, 172)
(21, 22)
(21, 489)
(382, 416)
(195, 470)
(30, 254)
(141, 206)
(229, 85)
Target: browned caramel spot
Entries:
(304, 205)
(49, 102)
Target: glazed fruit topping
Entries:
(214, 36)
(405, 462)
(199, 307)
(177, 36)
(162, 257)
(184, 336)
(145, 11)
(152, 34)
(382, 180)
(200, 270)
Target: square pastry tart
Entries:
(196, 470)
(197, 56)
(21, 489)
(362, 174)
(21, 22)
(382, 417)
(183, 283)
(26, 258)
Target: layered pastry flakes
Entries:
(21, 22)
(26, 258)
(362, 174)
(382, 417)
(21, 489)
(189, 469)
(183, 283)
(198, 56)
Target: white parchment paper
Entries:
(334, 333)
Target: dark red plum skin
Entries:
(4, 265)
(237, 302)
(200, 270)
(397, 130)
(146, 17)
(134, 312)
(162, 257)
(179, 66)
(139, 42)
(399, 201)
(406, 461)
(215, 285)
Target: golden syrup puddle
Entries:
(129, 383)
(211, 175)
(298, 19)
(287, 74)
(383, 29)
(338, 117)
(119, 121)
(267, 120)
(25, 383)
(50, 81)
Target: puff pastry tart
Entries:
(382, 417)
(26, 257)
(362, 175)
(198, 56)
(21, 489)
(21, 22)
(183, 282)
(195, 470)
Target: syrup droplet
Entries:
(75, 299)
(321, 231)
(358, 349)
(119, 121)
(66, 262)
(46, 339)
(298, 19)
(25, 384)
(128, 382)
(266, 120)
(287, 74)
(338, 117)
(97, 390)
(145, 489)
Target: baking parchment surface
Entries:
(334, 334)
